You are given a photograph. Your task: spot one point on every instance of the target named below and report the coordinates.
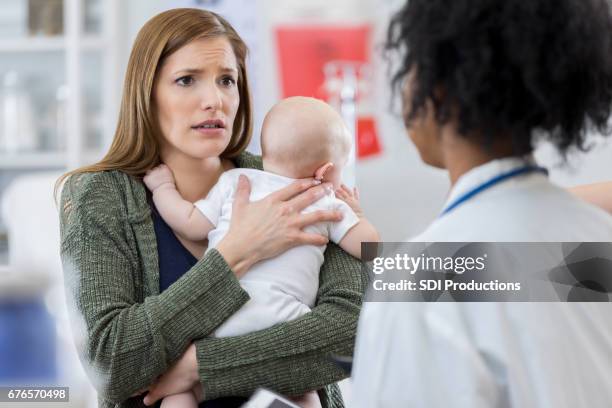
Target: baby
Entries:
(301, 137)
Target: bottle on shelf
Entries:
(17, 130)
(45, 17)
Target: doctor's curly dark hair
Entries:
(508, 68)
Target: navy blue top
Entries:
(174, 258)
(174, 261)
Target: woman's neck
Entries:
(461, 154)
(194, 177)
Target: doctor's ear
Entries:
(320, 172)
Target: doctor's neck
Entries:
(461, 154)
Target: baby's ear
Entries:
(320, 172)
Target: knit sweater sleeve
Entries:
(129, 340)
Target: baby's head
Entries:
(305, 137)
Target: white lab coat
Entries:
(494, 355)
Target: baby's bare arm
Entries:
(181, 215)
(363, 231)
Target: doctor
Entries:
(480, 80)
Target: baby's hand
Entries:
(158, 176)
(351, 197)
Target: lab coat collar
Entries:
(485, 172)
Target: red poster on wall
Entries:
(367, 137)
(303, 51)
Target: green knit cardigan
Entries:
(132, 333)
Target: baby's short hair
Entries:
(300, 134)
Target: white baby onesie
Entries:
(284, 287)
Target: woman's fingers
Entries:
(308, 197)
(318, 216)
(306, 238)
(152, 397)
(137, 393)
(262, 229)
(198, 392)
(294, 189)
(156, 392)
(181, 377)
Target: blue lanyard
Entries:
(488, 184)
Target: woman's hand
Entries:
(308, 400)
(268, 227)
(182, 376)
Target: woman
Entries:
(481, 80)
(146, 303)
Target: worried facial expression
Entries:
(196, 98)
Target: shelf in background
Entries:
(44, 160)
(36, 44)
(32, 44)
(32, 160)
